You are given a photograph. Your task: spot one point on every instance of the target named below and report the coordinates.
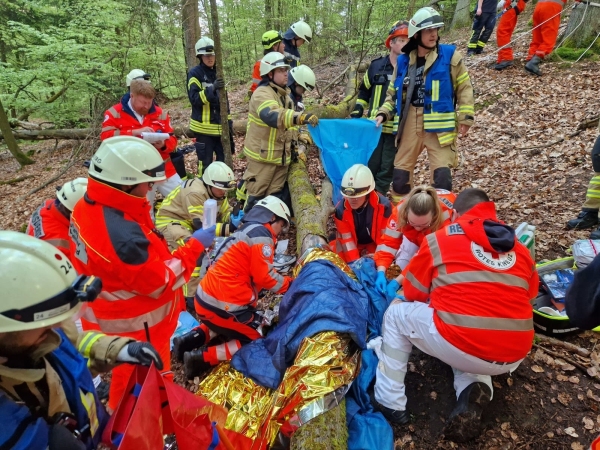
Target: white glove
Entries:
(375, 345)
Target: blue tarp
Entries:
(343, 143)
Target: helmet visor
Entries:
(146, 77)
(230, 184)
(354, 192)
(157, 172)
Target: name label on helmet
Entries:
(97, 159)
(43, 315)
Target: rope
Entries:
(578, 25)
(597, 36)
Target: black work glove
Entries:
(60, 438)
(219, 83)
(358, 111)
(140, 353)
(304, 119)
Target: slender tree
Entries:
(191, 30)
(10, 140)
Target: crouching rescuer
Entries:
(47, 396)
(227, 296)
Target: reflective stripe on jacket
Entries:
(392, 237)
(243, 267)
(346, 240)
(113, 237)
(481, 297)
(49, 224)
(271, 120)
(206, 112)
(120, 120)
(185, 206)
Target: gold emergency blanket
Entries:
(324, 363)
(316, 253)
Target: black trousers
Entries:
(207, 145)
(483, 26)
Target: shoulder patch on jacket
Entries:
(126, 236)
(37, 223)
(454, 229)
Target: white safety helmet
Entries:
(71, 192)
(357, 181)
(276, 206)
(272, 61)
(302, 30)
(426, 17)
(39, 285)
(304, 76)
(127, 160)
(219, 175)
(205, 46)
(136, 74)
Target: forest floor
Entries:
(522, 150)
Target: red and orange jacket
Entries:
(113, 238)
(256, 78)
(479, 280)
(242, 268)
(392, 237)
(378, 216)
(49, 224)
(120, 120)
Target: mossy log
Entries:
(583, 27)
(325, 432)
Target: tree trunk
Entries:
(11, 142)
(461, 16)
(325, 432)
(584, 24)
(190, 27)
(269, 14)
(223, 104)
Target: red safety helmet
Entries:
(399, 29)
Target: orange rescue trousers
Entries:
(505, 29)
(544, 36)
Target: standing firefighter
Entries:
(182, 213)
(271, 132)
(299, 33)
(430, 79)
(272, 41)
(203, 92)
(113, 237)
(483, 26)
(546, 20)
(506, 27)
(371, 95)
(300, 80)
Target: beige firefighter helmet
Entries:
(219, 175)
(357, 182)
(272, 61)
(205, 46)
(71, 192)
(304, 76)
(426, 17)
(136, 74)
(276, 206)
(302, 30)
(40, 287)
(127, 160)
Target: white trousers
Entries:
(406, 252)
(165, 188)
(411, 323)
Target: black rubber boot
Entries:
(194, 363)
(533, 66)
(503, 65)
(188, 342)
(442, 178)
(587, 218)
(393, 416)
(595, 234)
(464, 422)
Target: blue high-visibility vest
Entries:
(439, 113)
(22, 430)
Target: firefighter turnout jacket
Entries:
(206, 113)
(242, 268)
(271, 125)
(374, 217)
(185, 206)
(49, 224)
(57, 380)
(479, 280)
(446, 84)
(120, 120)
(392, 236)
(373, 88)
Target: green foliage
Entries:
(573, 54)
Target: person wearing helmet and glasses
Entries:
(50, 222)
(182, 213)
(113, 237)
(272, 124)
(371, 95)
(423, 211)
(47, 397)
(227, 295)
(296, 35)
(300, 80)
(432, 98)
(272, 41)
(361, 217)
(203, 92)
